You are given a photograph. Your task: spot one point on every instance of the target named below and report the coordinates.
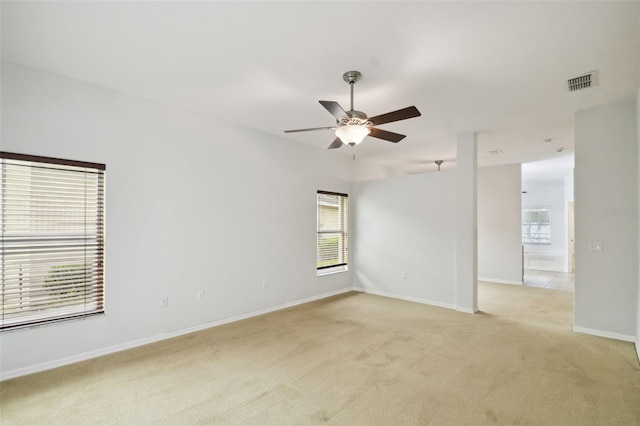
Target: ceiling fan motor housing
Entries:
(355, 117)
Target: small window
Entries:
(52, 247)
(536, 226)
(333, 236)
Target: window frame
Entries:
(546, 209)
(52, 228)
(343, 238)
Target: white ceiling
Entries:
(551, 170)
(496, 68)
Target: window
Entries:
(52, 244)
(536, 226)
(333, 237)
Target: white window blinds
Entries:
(52, 244)
(333, 236)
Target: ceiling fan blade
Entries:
(335, 144)
(335, 109)
(308, 130)
(386, 135)
(401, 114)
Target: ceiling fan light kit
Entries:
(352, 134)
(353, 126)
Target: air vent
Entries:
(583, 81)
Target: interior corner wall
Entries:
(405, 237)
(500, 224)
(606, 203)
(192, 204)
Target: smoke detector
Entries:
(583, 81)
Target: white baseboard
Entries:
(407, 298)
(494, 280)
(607, 334)
(638, 349)
(18, 372)
(467, 310)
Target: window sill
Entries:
(331, 271)
(58, 321)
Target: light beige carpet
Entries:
(355, 359)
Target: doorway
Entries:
(548, 231)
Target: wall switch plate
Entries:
(164, 302)
(200, 295)
(595, 246)
(404, 275)
(265, 284)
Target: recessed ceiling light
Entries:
(496, 152)
(559, 149)
(547, 141)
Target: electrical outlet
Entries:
(164, 302)
(595, 246)
(265, 284)
(200, 295)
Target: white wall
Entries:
(192, 204)
(638, 286)
(548, 194)
(407, 224)
(568, 198)
(606, 180)
(499, 224)
(568, 188)
(467, 222)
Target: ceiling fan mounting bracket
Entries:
(352, 77)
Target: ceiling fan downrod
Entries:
(352, 77)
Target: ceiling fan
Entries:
(353, 126)
(423, 164)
